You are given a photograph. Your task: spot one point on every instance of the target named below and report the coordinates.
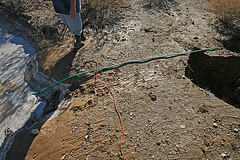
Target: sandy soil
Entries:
(165, 115)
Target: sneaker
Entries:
(78, 38)
(78, 45)
(82, 37)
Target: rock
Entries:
(204, 148)
(215, 125)
(63, 157)
(152, 96)
(196, 39)
(9, 132)
(224, 155)
(182, 126)
(203, 109)
(235, 130)
(34, 131)
(158, 143)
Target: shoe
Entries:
(80, 37)
(78, 45)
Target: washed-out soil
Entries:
(180, 107)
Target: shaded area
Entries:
(220, 75)
(232, 44)
(61, 66)
(99, 16)
(21, 144)
(23, 138)
(64, 65)
(159, 4)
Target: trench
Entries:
(232, 44)
(20, 109)
(217, 74)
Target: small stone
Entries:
(158, 143)
(196, 39)
(86, 137)
(235, 130)
(215, 125)
(224, 155)
(178, 147)
(34, 131)
(152, 96)
(63, 157)
(182, 126)
(204, 148)
(9, 132)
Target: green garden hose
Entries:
(128, 62)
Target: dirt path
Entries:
(165, 115)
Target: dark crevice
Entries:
(219, 75)
(232, 44)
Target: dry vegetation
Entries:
(98, 14)
(159, 4)
(104, 4)
(227, 11)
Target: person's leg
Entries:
(75, 26)
(64, 20)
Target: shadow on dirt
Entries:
(159, 4)
(230, 31)
(24, 138)
(98, 19)
(220, 75)
(64, 65)
(232, 44)
(22, 142)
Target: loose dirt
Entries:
(165, 115)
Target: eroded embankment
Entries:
(19, 108)
(218, 74)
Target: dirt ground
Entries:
(165, 115)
